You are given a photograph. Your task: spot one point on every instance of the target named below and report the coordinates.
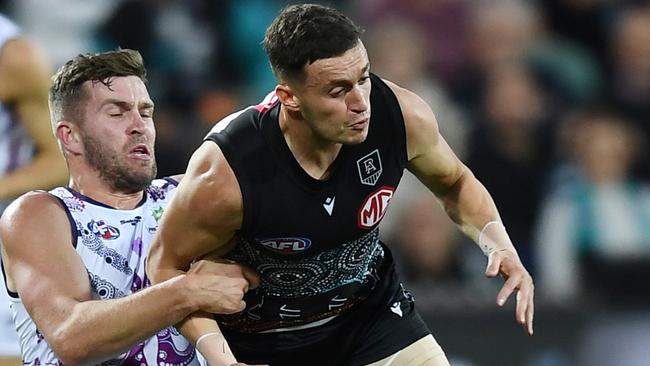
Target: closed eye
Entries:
(337, 92)
(146, 111)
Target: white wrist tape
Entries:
(488, 241)
(206, 335)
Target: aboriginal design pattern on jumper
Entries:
(350, 262)
(95, 243)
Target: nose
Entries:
(357, 99)
(138, 124)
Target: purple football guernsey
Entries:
(113, 245)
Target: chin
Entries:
(146, 175)
(356, 139)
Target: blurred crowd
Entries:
(546, 101)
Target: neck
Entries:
(314, 154)
(93, 186)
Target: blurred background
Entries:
(546, 101)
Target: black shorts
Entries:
(375, 329)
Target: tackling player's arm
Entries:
(465, 200)
(201, 220)
(52, 282)
(24, 81)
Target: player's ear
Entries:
(287, 97)
(69, 137)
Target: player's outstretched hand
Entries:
(517, 279)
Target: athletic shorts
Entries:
(374, 329)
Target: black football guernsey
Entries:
(314, 242)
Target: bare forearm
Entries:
(202, 330)
(99, 329)
(471, 207)
(44, 172)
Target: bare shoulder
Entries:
(211, 187)
(33, 214)
(209, 169)
(36, 233)
(204, 213)
(420, 122)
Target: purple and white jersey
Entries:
(113, 245)
(16, 148)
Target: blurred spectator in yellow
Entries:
(29, 157)
(593, 241)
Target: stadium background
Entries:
(546, 101)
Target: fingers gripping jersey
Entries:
(113, 245)
(314, 242)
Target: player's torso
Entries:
(315, 242)
(292, 214)
(113, 245)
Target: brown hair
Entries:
(304, 33)
(66, 94)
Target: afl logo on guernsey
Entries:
(287, 245)
(374, 207)
(103, 230)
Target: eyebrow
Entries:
(126, 105)
(345, 82)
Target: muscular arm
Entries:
(204, 214)
(24, 82)
(465, 200)
(433, 162)
(53, 284)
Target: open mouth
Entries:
(140, 151)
